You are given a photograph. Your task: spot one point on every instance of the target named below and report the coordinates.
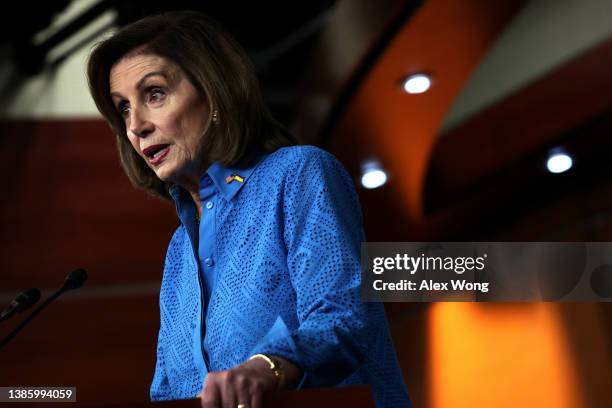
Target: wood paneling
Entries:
(67, 204)
(105, 347)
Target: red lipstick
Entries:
(156, 153)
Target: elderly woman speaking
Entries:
(261, 283)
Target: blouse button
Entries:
(209, 205)
(209, 262)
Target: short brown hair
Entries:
(216, 65)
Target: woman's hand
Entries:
(244, 384)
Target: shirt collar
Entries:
(227, 180)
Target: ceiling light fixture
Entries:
(417, 83)
(559, 161)
(372, 174)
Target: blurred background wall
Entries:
(512, 82)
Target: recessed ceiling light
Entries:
(417, 83)
(559, 162)
(372, 175)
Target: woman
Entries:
(261, 285)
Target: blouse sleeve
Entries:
(160, 387)
(323, 232)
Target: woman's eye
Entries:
(156, 94)
(123, 109)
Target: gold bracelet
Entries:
(275, 366)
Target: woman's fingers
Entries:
(211, 395)
(244, 384)
(256, 396)
(241, 382)
(228, 389)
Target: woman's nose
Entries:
(140, 125)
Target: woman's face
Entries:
(165, 116)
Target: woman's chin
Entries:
(176, 173)
(163, 173)
(169, 174)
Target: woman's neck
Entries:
(196, 200)
(192, 185)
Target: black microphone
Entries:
(74, 280)
(23, 301)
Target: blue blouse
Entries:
(273, 268)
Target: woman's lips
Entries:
(159, 156)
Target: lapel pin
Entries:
(233, 177)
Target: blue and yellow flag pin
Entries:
(233, 177)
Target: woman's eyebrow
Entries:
(150, 74)
(143, 79)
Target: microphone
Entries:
(74, 280)
(23, 301)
